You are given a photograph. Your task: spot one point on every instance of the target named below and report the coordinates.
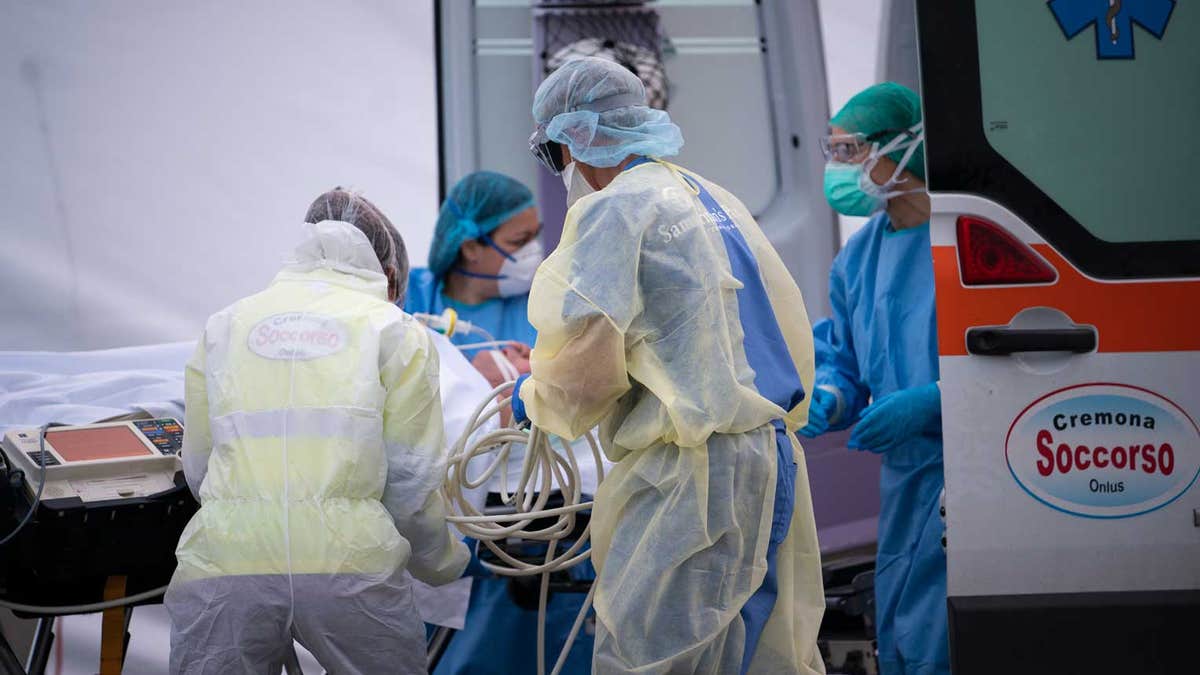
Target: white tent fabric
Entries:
(159, 157)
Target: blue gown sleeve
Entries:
(422, 293)
(837, 361)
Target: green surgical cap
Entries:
(884, 107)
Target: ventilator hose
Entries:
(544, 470)
(62, 610)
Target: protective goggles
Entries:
(846, 148)
(548, 152)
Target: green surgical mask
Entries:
(844, 192)
(849, 187)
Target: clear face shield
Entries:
(548, 152)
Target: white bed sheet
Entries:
(83, 387)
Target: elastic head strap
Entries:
(624, 100)
(913, 135)
(488, 240)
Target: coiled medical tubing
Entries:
(543, 471)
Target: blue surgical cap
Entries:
(597, 108)
(884, 107)
(478, 204)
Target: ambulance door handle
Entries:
(1000, 341)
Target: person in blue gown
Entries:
(878, 364)
(485, 249)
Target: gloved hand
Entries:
(824, 404)
(894, 419)
(518, 406)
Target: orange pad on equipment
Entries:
(80, 445)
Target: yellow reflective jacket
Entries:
(313, 430)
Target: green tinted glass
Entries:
(1114, 141)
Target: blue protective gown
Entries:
(883, 339)
(504, 318)
(499, 637)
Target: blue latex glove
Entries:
(823, 405)
(518, 406)
(894, 419)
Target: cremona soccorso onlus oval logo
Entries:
(1104, 450)
(297, 336)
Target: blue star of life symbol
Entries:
(1114, 21)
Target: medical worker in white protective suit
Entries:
(313, 440)
(665, 316)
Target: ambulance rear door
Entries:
(1063, 151)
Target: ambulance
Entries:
(1062, 150)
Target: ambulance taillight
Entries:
(988, 255)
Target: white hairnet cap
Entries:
(338, 245)
(346, 206)
(597, 108)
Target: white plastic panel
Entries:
(993, 548)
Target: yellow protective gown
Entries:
(639, 330)
(314, 441)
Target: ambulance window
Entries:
(1082, 121)
(1110, 141)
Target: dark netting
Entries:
(621, 32)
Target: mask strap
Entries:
(489, 242)
(915, 136)
(908, 154)
(477, 275)
(914, 142)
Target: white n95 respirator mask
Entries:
(577, 186)
(516, 272)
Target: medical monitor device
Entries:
(114, 503)
(98, 462)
